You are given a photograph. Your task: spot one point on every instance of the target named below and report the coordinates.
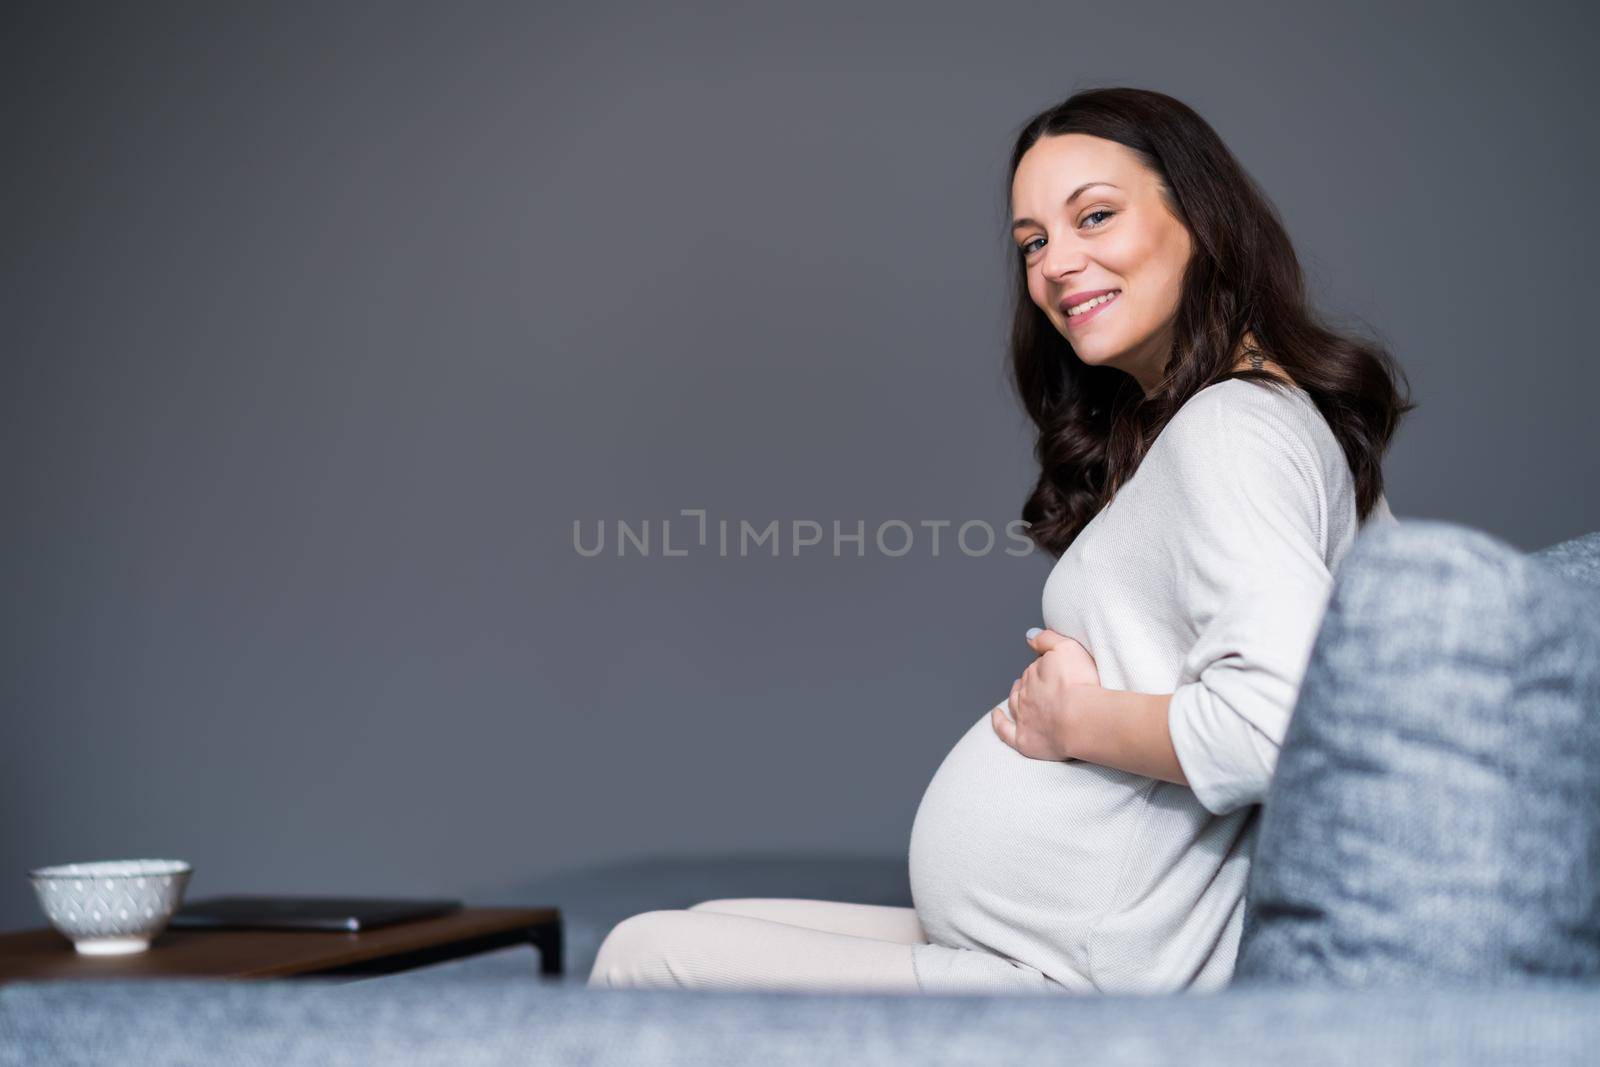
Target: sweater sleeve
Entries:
(1250, 539)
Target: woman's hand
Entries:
(1039, 725)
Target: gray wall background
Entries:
(323, 323)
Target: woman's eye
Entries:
(1032, 246)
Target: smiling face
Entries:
(1091, 218)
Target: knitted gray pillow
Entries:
(1435, 812)
(1578, 559)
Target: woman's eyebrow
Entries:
(1017, 224)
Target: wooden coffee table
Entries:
(45, 954)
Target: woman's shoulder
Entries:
(1226, 418)
(1239, 451)
(1245, 396)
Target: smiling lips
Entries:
(1096, 300)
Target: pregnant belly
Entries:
(1005, 845)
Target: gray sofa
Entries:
(1425, 889)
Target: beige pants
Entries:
(775, 943)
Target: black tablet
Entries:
(350, 914)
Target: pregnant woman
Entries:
(1208, 451)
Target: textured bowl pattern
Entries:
(114, 906)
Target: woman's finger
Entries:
(1002, 725)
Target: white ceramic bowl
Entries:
(112, 907)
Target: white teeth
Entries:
(1088, 304)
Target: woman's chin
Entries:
(1095, 356)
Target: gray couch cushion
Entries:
(492, 1022)
(1577, 559)
(1435, 812)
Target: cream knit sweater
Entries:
(1205, 577)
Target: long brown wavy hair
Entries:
(1095, 423)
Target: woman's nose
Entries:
(1061, 263)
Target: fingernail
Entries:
(1033, 631)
